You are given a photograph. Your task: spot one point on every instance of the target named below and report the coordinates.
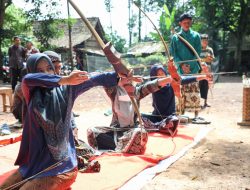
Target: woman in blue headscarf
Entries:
(164, 116)
(47, 153)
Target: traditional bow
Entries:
(113, 57)
(171, 68)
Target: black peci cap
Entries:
(53, 56)
(185, 16)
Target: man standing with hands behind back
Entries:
(16, 58)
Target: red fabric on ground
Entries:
(117, 169)
(8, 139)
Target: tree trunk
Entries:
(241, 31)
(129, 23)
(1, 59)
(239, 39)
(139, 26)
(2, 14)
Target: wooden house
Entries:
(84, 45)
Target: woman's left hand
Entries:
(75, 77)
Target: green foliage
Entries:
(222, 19)
(141, 65)
(222, 15)
(15, 24)
(156, 5)
(132, 22)
(47, 29)
(45, 14)
(153, 59)
(43, 9)
(108, 5)
(168, 22)
(154, 36)
(148, 60)
(172, 16)
(70, 21)
(117, 41)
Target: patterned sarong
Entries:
(191, 97)
(125, 139)
(166, 125)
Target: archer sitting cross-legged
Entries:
(164, 116)
(124, 133)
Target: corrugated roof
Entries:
(146, 48)
(93, 51)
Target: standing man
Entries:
(16, 58)
(207, 54)
(181, 52)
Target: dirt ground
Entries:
(219, 162)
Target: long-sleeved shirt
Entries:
(34, 154)
(140, 92)
(16, 56)
(181, 52)
(208, 51)
(164, 99)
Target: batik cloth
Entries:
(191, 97)
(125, 140)
(123, 135)
(167, 125)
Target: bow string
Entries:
(109, 50)
(171, 68)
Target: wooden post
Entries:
(245, 107)
(70, 39)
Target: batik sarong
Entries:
(167, 125)
(125, 139)
(191, 97)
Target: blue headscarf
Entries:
(154, 69)
(33, 61)
(163, 99)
